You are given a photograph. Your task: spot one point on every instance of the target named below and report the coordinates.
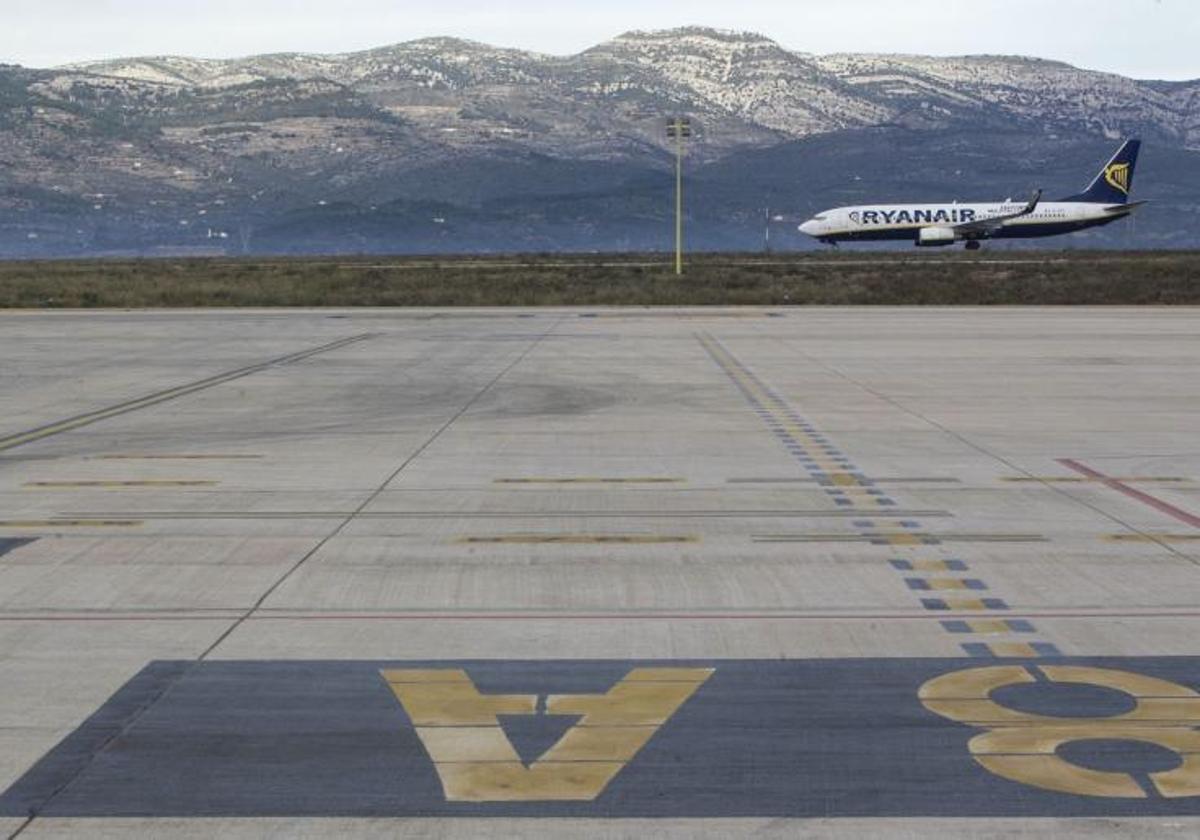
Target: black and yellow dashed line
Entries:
(850, 488)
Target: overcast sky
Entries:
(1140, 38)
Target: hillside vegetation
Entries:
(447, 146)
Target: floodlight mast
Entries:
(679, 129)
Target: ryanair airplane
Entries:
(932, 225)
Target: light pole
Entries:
(679, 129)
(767, 220)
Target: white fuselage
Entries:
(873, 222)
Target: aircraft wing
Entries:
(986, 226)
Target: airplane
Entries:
(1105, 201)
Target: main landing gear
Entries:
(974, 245)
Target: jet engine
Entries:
(934, 237)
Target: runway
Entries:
(600, 572)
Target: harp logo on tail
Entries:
(1117, 176)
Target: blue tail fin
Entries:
(1115, 181)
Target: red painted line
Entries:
(1133, 493)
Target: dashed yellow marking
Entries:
(590, 481)
(900, 539)
(948, 584)
(841, 479)
(578, 539)
(931, 566)
(1013, 650)
(967, 605)
(66, 485)
(476, 762)
(1151, 538)
(828, 467)
(989, 628)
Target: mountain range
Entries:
(443, 145)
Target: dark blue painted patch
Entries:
(1118, 756)
(980, 650)
(1046, 698)
(7, 544)
(828, 738)
(532, 735)
(957, 627)
(75, 752)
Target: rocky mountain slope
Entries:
(180, 153)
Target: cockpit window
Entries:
(821, 218)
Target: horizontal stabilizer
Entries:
(1126, 208)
